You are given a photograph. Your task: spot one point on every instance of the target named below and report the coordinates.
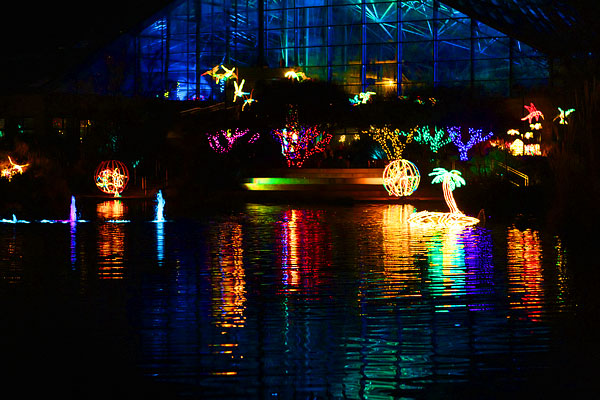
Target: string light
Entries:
(228, 137)
(513, 132)
(532, 149)
(423, 135)
(533, 113)
(248, 100)
(298, 142)
(391, 141)
(536, 127)
(475, 137)
(450, 180)
(111, 177)
(361, 98)
(299, 76)
(562, 115)
(401, 178)
(238, 92)
(14, 169)
(517, 147)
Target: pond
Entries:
(283, 301)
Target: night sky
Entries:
(41, 40)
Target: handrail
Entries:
(514, 171)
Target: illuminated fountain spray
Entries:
(160, 205)
(73, 211)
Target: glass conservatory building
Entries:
(365, 45)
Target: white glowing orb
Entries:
(401, 178)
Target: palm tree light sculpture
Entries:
(455, 218)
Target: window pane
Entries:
(491, 69)
(345, 55)
(418, 30)
(454, 50)
(454, 28)
(346, 34)
(417, 51)
(453, 70)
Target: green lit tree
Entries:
(449, 180)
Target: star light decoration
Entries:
(239, 90)
(222, 141)
(111, 177)
(562, 115)
(248, 100)
(14, 169)
(401, 178)
(475, 137)
(391, 141)
(299, 142)
(221, 77)
(455, 218)
(533, 113)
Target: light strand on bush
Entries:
(391, 141)
(475, 137)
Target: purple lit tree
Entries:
(475, 137)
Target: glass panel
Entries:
(482, 30)
(345, 34)
(419, 72)
(417, 30)
(345, 55)
(346, 74)
(454, 50)
(346, 15)
(312, 16)
(313, 36)
(491, 48)
(530, 68)
(491, 69)
(417, 51)
(381, 33)
(319, 73)
(454, 28)
(381, 13)
(381, 52)
(520, 49)
(417, 10)
(445, 11)
(312, 56)
(453, 70)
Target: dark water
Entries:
(285, 302)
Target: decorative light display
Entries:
(562, 115)
(423, 135)
(238, 92)
(299, 76)
(532, 149)
(223, 76)
(535, 127)
(14, 169)
(111, 177)
(475, 137)
(401, 178)
(248, 100)
(455, 218)
(513, 132)
(361, 98)
(391, 141)
(533, 113)
(223, 141)
(298, 142)
(517, 147)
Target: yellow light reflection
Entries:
(229, 284)
(111, 240)
(524, 255)
(400, 245)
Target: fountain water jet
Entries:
(160, 205)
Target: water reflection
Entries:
(316, 302)
(229, 286)
(524, 255)
(304, 246)
(111, 239)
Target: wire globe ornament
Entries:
(401, 178)
(111, 177)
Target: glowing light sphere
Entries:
(111, 177)
(401, 178)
